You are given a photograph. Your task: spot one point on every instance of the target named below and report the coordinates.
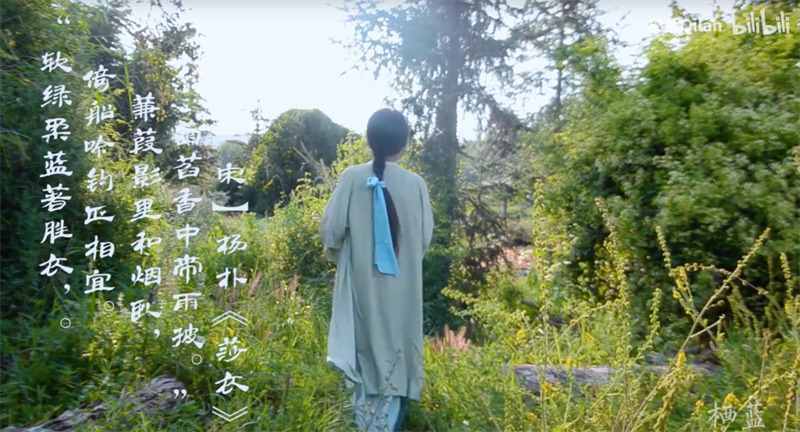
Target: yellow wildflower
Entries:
(681, 359)
(547, 388)
(699, 404)
(730, 399)
(682, 279)
(530, 416)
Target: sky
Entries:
(276, 54)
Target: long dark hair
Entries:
(387, 135)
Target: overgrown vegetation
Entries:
(661, 211)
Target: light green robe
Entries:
(377, 319)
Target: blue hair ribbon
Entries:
(385, 259)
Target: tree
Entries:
(438, 51)
(442, 55)
(562, 32)
(277, 164)
(231, 151)
(699, 143)
(90, 39)
(235, 153)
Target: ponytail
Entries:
(387, 135)
(378, 165)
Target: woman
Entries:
(377, 240)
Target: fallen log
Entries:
(156, 395)
(530, 376)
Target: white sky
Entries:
(279, 52)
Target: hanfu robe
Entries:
(375, 334)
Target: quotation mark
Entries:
(177, 392)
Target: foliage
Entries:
(92, 38)
(666, 198)
(434, 50)
(435, 53)
(279, 161)
(292, 389)
(700, 143)
(600, 333)
(233, 152)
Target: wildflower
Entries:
(730, 399)
(681, 359)
(571, 362)
(521, 336)
(699, 404)
(682, 278)
(530, 416)
(547, 388)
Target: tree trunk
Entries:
(440, 153)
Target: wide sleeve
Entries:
(334, 224)
(427, 217)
